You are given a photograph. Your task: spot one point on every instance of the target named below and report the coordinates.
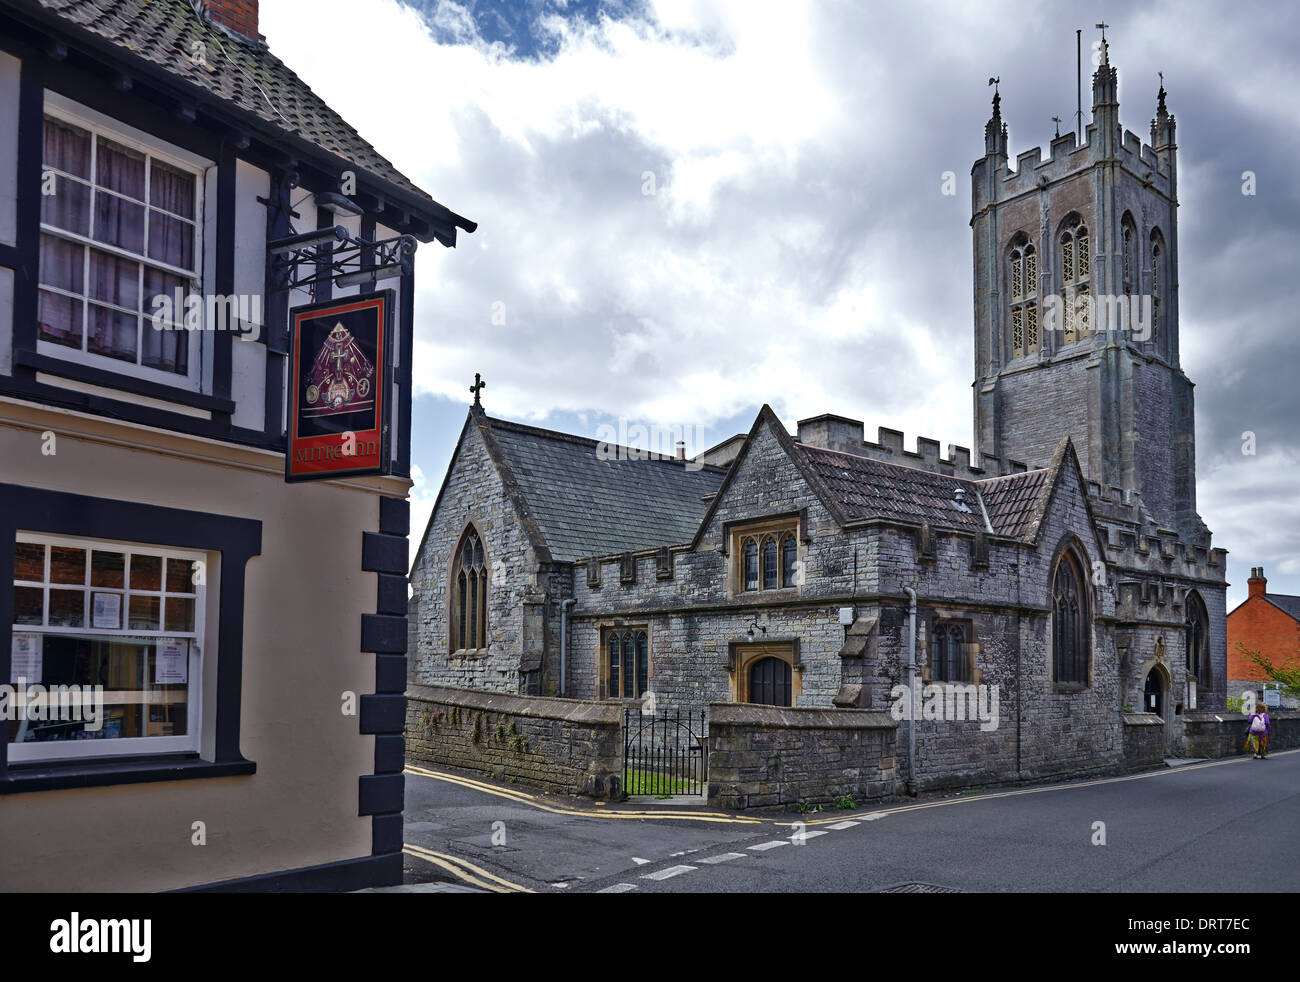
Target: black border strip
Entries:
(382, 794)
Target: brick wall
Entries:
(1260, 626)
(761, 756)
(564, 745)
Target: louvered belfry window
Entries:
(1024, 297)
(1076, 271)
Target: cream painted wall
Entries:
(304, 599)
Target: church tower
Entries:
(1076, 306)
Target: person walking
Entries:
(1257, 730)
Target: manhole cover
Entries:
(918, 888)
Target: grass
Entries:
(661, 785)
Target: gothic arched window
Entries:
(789, 560)
(1129, 256)
(469, 594)
(1196, 628)
(627, 663)
(1024, 297)
(769, 560)
(1158, 280)
(1076, 272)
(948, 661)
(750, 571)
(1070, 622)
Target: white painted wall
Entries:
(248, 358)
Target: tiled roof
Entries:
(1012, 501)
(866, 487)
(246, 75)
(586, 506)
(869, 488)
(1287, 604)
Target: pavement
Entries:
(1226, 826)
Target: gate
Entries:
(664, 754)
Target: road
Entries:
(1220, 826)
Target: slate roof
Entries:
(244, 74)
(1289, 605)
(1012, 501)
(586, 506)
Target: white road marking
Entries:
(726, 857)
(640, 862)
(875, 816)
(671, 871)
(764, 846)
(811, 833)
(841, 826)
(619, 888)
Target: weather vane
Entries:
(1057, 121)
(1103, 27)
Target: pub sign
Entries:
(340, 374)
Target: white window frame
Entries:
(101, 126)
(71, 750)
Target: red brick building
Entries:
(1266, 622)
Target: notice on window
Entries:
(172, 663)
(106, 610)
(27, 651)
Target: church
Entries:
(1063, 566)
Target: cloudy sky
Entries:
(688, 208)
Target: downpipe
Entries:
(911, 690)
(564, 643)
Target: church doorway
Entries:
(769, 682)
(766, 674)
(1153, 693)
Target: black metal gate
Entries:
(664, 754)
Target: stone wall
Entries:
(1224, 734)
(565, 745)
(1144, 741)
(762, 756)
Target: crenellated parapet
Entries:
(849, 436)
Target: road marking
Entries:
(532, 802)
(639, 862)
(810, 834)
(619, 888)
(841, 826)
(726, 857)
(764, 846)
(1074, 786)
(669, 873)
(465, 870)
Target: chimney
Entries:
(1257, 584)
(239, 16)
(681, 449)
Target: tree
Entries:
(1287, 675)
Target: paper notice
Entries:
(27, 651)
(106, 610)
(171, 666)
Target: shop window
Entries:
(106, 649)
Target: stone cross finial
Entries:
(1057, 121)
(478, 385)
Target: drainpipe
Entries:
(564, 643)
(911, 690)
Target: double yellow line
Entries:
(464, 870)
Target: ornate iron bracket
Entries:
(309, 259)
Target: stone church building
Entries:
(1064, 567)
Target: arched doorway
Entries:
(770, 682)
(1153, 692)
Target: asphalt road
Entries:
(1228, 826)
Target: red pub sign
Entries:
(339, 377)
